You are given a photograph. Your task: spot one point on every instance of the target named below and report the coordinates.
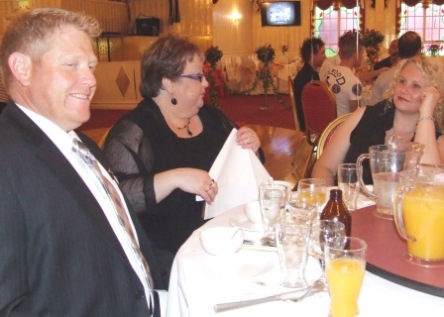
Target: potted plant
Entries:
(212, 56)
(434, 49)
(372, 40)
(266, 55)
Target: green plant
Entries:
(372, 38)
(265, 54)
(212, 55)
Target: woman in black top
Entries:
(162, 150)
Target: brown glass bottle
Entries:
(337, 211)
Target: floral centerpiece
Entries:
(212, 56)
(266, 55)
(434, 49)
(372, 40)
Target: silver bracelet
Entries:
(426, 118)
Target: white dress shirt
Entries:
(63, 141)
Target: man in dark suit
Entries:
(313, 55)
(64, 250)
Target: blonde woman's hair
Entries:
(432, 71)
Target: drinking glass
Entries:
(300, 213)
(323, 233)
(312, 192)
(349, 184)
(273, 198)
(292, 242)
(345, 268)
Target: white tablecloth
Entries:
(199, 281)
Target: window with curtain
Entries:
(427, 19)
(331, 23)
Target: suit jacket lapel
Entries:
(69, 178)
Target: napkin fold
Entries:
(238, 173)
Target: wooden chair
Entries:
(319, 105)
(293, 104)
(98, 135)
(328, 133)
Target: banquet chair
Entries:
(328, 133)
(319, 104)
(302, 159)
(293, 104)
(98, 135)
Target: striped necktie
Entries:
(89, 161)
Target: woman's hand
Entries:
(190, 180)
(430, 99)
(248, 139)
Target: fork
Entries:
(313, 289)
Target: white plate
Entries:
(242, 222)
(237, 266)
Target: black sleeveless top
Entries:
(370, 131)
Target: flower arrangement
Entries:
(265, 54)
(212, 55)
(372, 40)
(434, 49)
(284, 49)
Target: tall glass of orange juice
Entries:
(345, 268)
(419, 214)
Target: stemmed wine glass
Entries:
(323, 233)
(312, 192)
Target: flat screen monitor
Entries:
(281, 13)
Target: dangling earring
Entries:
(173, 101)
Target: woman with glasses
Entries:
(162, 150)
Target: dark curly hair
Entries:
(310, 47)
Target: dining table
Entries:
(199, 281)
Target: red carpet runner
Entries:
(241, 109)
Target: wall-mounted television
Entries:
(281, 13)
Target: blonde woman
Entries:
(413, 112)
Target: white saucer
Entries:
(242, 222)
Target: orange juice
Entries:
(313, 198)
(344, 276)
(423, 211)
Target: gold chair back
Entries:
(293, 104)
(328, 133)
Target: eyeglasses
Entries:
(198, 77)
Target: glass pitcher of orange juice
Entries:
(419, 214)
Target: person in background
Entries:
(341, 79)
(4, 97)
(162, 150)
(313, 55)
(363, 75)
(409, 45)
(63, 246)
(390, 60)
(413, 112)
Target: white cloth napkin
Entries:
(238, 173)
